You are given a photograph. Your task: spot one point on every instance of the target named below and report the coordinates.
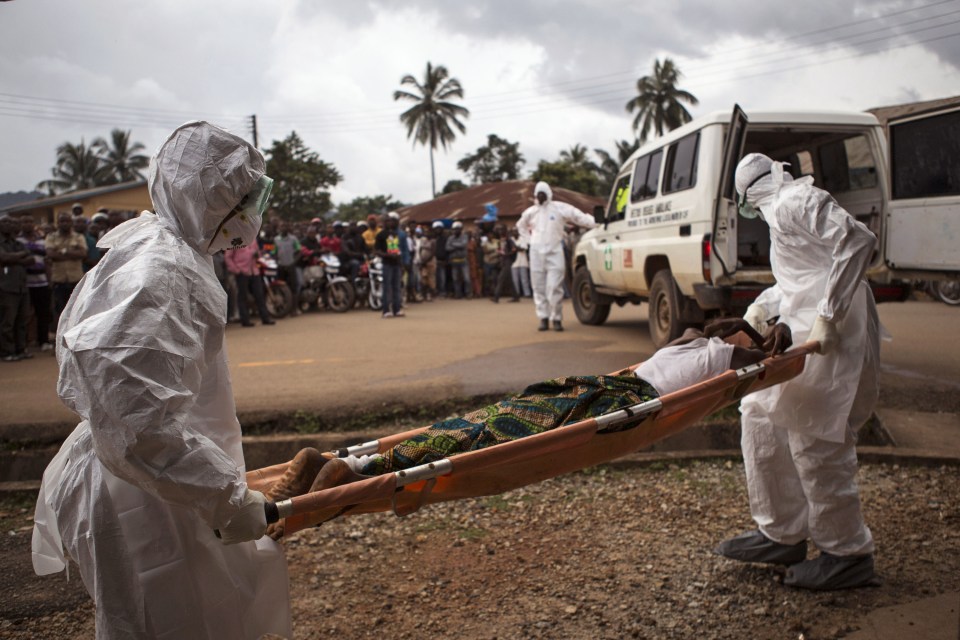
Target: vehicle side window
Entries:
(847, 165)
(925, 157)
(682, 164)
(646, 176)
(617, 210)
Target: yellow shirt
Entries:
(370, 237)
(65, 271)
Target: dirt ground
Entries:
(599, 554)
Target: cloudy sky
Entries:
(546, 73)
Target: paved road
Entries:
(337, 362)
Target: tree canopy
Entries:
(82, 166)
(610, 163)
(568, 175)
(429, 120)
(497, 161)
(301, 179)
(658, 99)
(360, 207)
(453, 186)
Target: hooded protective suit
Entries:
(156, 465)
(541, 227)
(799, 437)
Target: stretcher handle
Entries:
(270, 511)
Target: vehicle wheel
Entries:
(948, 291)
(588, 311)
(375, 299)
(279, 300)
(340, 296)
(664, 309)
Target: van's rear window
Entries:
(925, 157)
(682, 164)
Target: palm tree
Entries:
(577, 156)
(658, 101)
(120, 156)
(428, 121)
(609, 165)
(78, 167)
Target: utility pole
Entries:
(253, 129)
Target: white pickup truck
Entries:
(670, 234)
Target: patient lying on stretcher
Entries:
(693, 358)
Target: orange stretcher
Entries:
(528, 460)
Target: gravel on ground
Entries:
(599, 554)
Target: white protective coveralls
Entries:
(799, 437)
(541, 227)
(137, 489)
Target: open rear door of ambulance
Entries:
(723, 254)
(923, 219)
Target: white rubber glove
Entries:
(250, 523)
(825, 332)
(757, 317)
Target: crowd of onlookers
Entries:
(420, 262)
(42, 264)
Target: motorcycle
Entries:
(323, 285)
(374, 284)
(276, 292)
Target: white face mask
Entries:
(243, 223)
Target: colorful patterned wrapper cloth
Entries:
(540, 407)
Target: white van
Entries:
(670, 234)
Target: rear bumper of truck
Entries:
(738, 298)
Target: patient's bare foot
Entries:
(298, 477)
(295, 481)
(333, 474)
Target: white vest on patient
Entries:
(673, 368)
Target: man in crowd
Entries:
(412, 267)
(457, 255)
(542, 229)
(370, 235)
(333, 242)
(352, 252)
(506, 254)
(390, 245)
(81, 226)
(14, 299)
(490, 246)
(66, 250)
(426, 258)
(37, 284)
(443, 259)
(242, 263)
(520, 270)
(288, 261)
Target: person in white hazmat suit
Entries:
(156, 465)
(541, 227)
(799, 437)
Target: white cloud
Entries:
(546, 74)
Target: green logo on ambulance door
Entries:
(608, 258)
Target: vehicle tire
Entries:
(279, 299)
(947, 291)
(587, 309)
(340, 296)
(375, 298)
(664, 309)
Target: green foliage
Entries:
(301, 179)
(498, 161)
(610, 163)
(359, 208)
(658, 99)
(121, 157)
(102, 163)
(453, 186)
(429, 120)
(568, 176)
